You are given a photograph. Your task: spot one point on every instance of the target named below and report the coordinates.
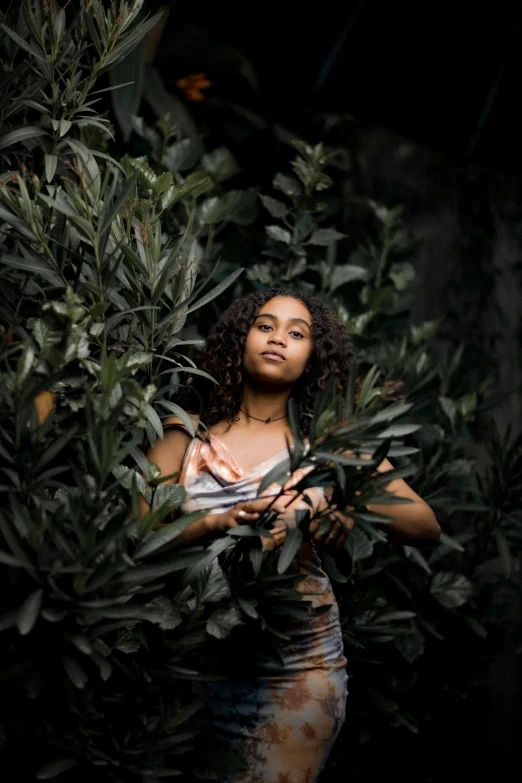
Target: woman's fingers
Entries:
(337, 533)
(262, 504)
(344, 519)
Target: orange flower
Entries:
(193, 84)
(44, 404)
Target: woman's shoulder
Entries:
(176, 424)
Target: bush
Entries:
(107, 623)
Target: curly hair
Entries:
(331, 356)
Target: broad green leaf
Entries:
(223, 620)
(220, 164)
(358, 545)
(183, 154)
(126, 477)
(162, 611)
(402, 275)
(212, 585)
(451, 589)
(410, 645)
(170, 496)
(325, 236)
(279, 234)
(288, 185)
(276, 208)
(346, 273)
(211, 552)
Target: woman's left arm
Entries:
(415, 523)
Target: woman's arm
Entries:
(168, 455)
(415, 523)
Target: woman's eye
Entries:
(296, 334)
(264, 327)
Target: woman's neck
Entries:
(264, 406)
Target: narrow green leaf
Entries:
(50, 166)
(110, 211)
(11, 560)
(74, 671)
(37, 52)
(279, 474)
(216, 291)
(128, 43)
(20, 134)
(399, 430)
(16, 222)
(504, 552)
(180, 413)
(54, 768)
(39, 266)
(293, 540)
(167, 534)
(29, 611)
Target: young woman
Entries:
(280, 718)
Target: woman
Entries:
(280, 718)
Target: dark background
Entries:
(444, 74)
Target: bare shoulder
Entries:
(169, 452)
(173, 424)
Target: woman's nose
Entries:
(277, 338)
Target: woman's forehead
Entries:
(286, 307)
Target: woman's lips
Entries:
(274, 356)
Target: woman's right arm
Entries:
(168, 455)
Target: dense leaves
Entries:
(110, 628)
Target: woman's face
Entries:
(279, 343)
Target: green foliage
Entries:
(108, 626)
(99, 271)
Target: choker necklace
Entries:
(267, 421)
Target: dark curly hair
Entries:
(331, 356)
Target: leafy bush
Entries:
(106, 623)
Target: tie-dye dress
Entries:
(280, 718)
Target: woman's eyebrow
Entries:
(291, 320)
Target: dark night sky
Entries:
(424, 69)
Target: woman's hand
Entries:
(336, 535)
(248, 513)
